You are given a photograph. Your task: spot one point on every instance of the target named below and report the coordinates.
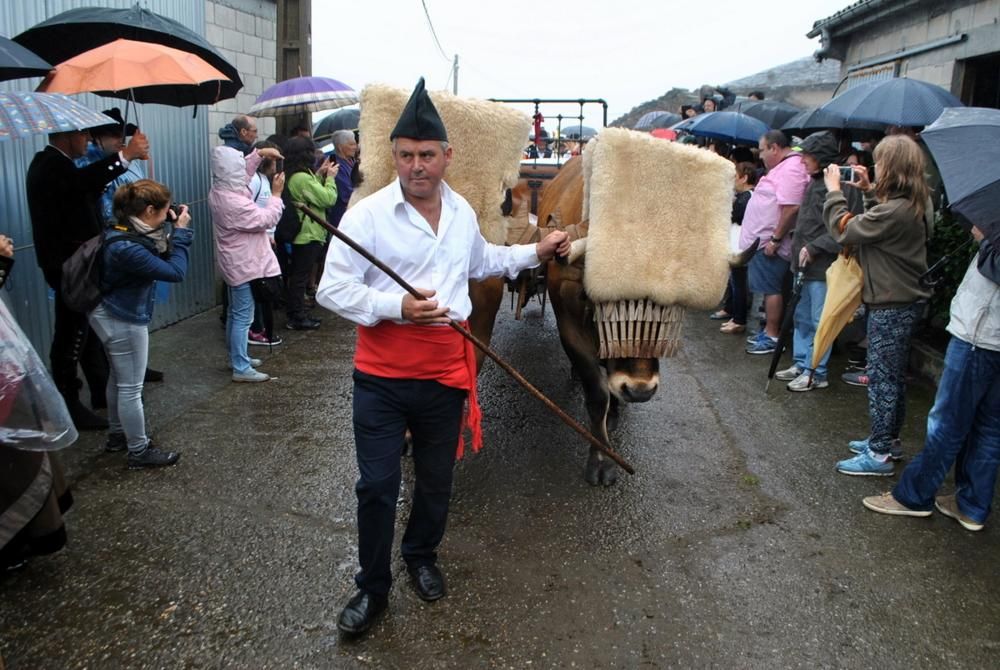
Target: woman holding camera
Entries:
(137, 253)
(890, 239)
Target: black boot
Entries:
(82, 417)
(153, 375)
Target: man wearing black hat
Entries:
(62, 201)
(411, 370)
(105, 141)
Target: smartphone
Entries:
(279, 165)
(847, 174)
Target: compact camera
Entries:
(847, 174)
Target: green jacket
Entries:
(891, 245)
(306, 187)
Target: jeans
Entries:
(383, 409)
(964, 424)
(889, 333)
(807, 314)
(238, 326)
(127, 346)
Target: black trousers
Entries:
(74, 344)
(383, 409)
(304, 257)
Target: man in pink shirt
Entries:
(770, 217)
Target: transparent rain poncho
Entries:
(33, 414)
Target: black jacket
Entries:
(810, 226)
(62, 201)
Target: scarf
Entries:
(409, 351)
(157, 235)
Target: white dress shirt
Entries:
(395, 233)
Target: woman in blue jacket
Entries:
(137, 253)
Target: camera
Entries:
(176, 209)
(847, 174)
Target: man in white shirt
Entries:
(412, 370)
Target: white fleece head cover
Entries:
(487, 139)
(659, 220)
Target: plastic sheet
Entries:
(33, 415)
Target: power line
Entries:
(430, 24)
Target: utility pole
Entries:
(294, 53)
(454, 71)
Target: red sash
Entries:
(397, 351)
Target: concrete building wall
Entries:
(978, 20)
(245, 31)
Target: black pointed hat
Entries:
(420, 119)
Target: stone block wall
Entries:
(245, 32)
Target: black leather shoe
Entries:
(303, 324)
(360, 612)
(153, 375)
(428, 582)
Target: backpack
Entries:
(290, 222)
(80, 286)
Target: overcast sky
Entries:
(625, 51)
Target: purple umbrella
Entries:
(303, 94)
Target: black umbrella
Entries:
(817, 118)
(898, 102)
(666, 120)
(573, 130)
(772, 112)
(965, 144)
(786, 327)
(16, 62)
(645, 121)
(342, 119)
(78, 30)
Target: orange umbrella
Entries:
(140, 71)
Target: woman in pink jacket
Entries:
(242, 246)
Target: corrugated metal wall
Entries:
(180, 150)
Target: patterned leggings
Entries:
(889, 334)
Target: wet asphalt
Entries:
(735, 544)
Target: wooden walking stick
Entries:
(566, 418)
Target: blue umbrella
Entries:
(16, 62)
(898, 102)
(24, 114)
(965, 144)
(729, 126)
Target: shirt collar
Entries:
(447, 195)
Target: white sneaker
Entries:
(788, 375)
(250, 375)
(254, 363)
(802, 383)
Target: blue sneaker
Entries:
(764, 344)
(895, 450)
(864, 464)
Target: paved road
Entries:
(735, 544)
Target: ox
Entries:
(608, 382)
